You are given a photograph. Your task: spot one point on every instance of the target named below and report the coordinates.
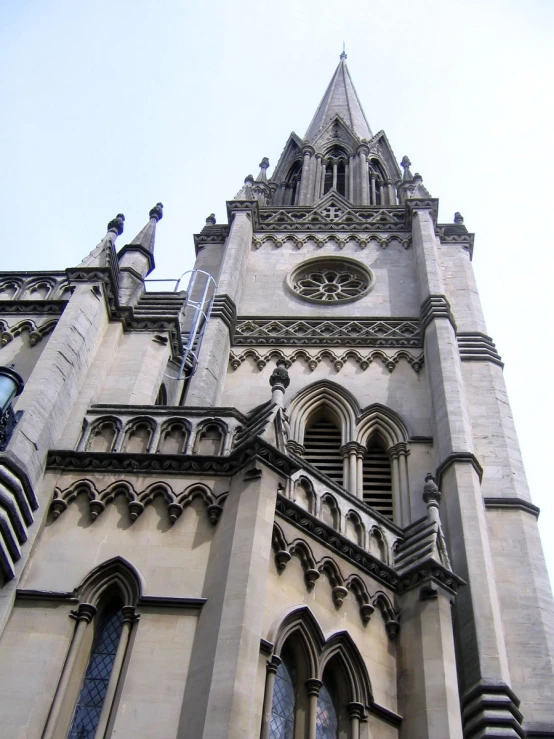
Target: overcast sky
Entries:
(112, 105)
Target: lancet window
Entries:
(283, 706)
(322, 444)
(335, 171)
(377, 477)
(327, 719)
(95, 685)
(293, 184)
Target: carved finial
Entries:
(343, 55)
(264, 164)
(157, 212)
(458, 218)
(116, 224)
(406, 164)
(210, 220)
(431, 493)
(280, 376)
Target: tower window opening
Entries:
(293, 182)
(322, 444)
(327, 720)
(341, 178)
(377, 478)
(328, 183)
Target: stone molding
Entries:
(175, 500)
(491, 709)
(158, 602)
(225, 308)
(36, 332)
(347, 549)
(436, 306)
(384, 714)
(334, 239)
(17, 504)
(338, 360)
(478, 347)
(171, 464)
(333, 214)
(280, 331)
(457, 458)
(512, 503)
(32, 307)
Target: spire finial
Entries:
(116, 224)
(157, 212)
(343, 55)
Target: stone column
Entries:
(272, 667)
(317, 181)
(307, 175)
(363, 152)
(347, 181)
(351, 180)
(206, 386)
(313, 686)
(391, 196)
(350, 452)
(60, 713)
(484, 665)
(323, 174)
(398, 455)
(335, 167)
(219, 697)
(373, 190)
(356, 712)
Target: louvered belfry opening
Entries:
(377, 478)
(322, 443)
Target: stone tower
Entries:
(221, 523)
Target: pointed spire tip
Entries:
(344, 55)
(157, 212)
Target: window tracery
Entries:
(283, 707)
(327, 721)
(331, 280)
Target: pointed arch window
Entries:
(283, 706)
(322, 445)
(95, 685)
(377, 479)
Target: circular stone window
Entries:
(331, 280)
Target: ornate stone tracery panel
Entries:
(331, 332)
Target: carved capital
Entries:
(313, 686)
(272, 665)
(85, 612)
(356, 710)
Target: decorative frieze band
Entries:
(332, 216)
(332, 332)
(477, 347)
(338, 360)
(334, 239)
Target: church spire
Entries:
(340, 99)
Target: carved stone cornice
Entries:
(282, 331)
(512, 504)
(415, 204)
(303, 520)
(179, 464)
(491, 709)
(211, 235)
(332, 215)
(477, 347)
(32, 307)
(251, 207)
(429, 571)
(436, 306)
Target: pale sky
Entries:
(112, 105)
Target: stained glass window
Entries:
(327, 720)
(283, 706)
(89, 706)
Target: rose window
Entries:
(331, 280)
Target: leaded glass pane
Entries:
(281, 725)
(327, 720)
(93, 692)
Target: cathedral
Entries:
(283, 500)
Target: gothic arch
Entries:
(341, 647)
(116, 573)
(379, 419)
(324, 394)
(301, 623)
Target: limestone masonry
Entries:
(285, 503)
